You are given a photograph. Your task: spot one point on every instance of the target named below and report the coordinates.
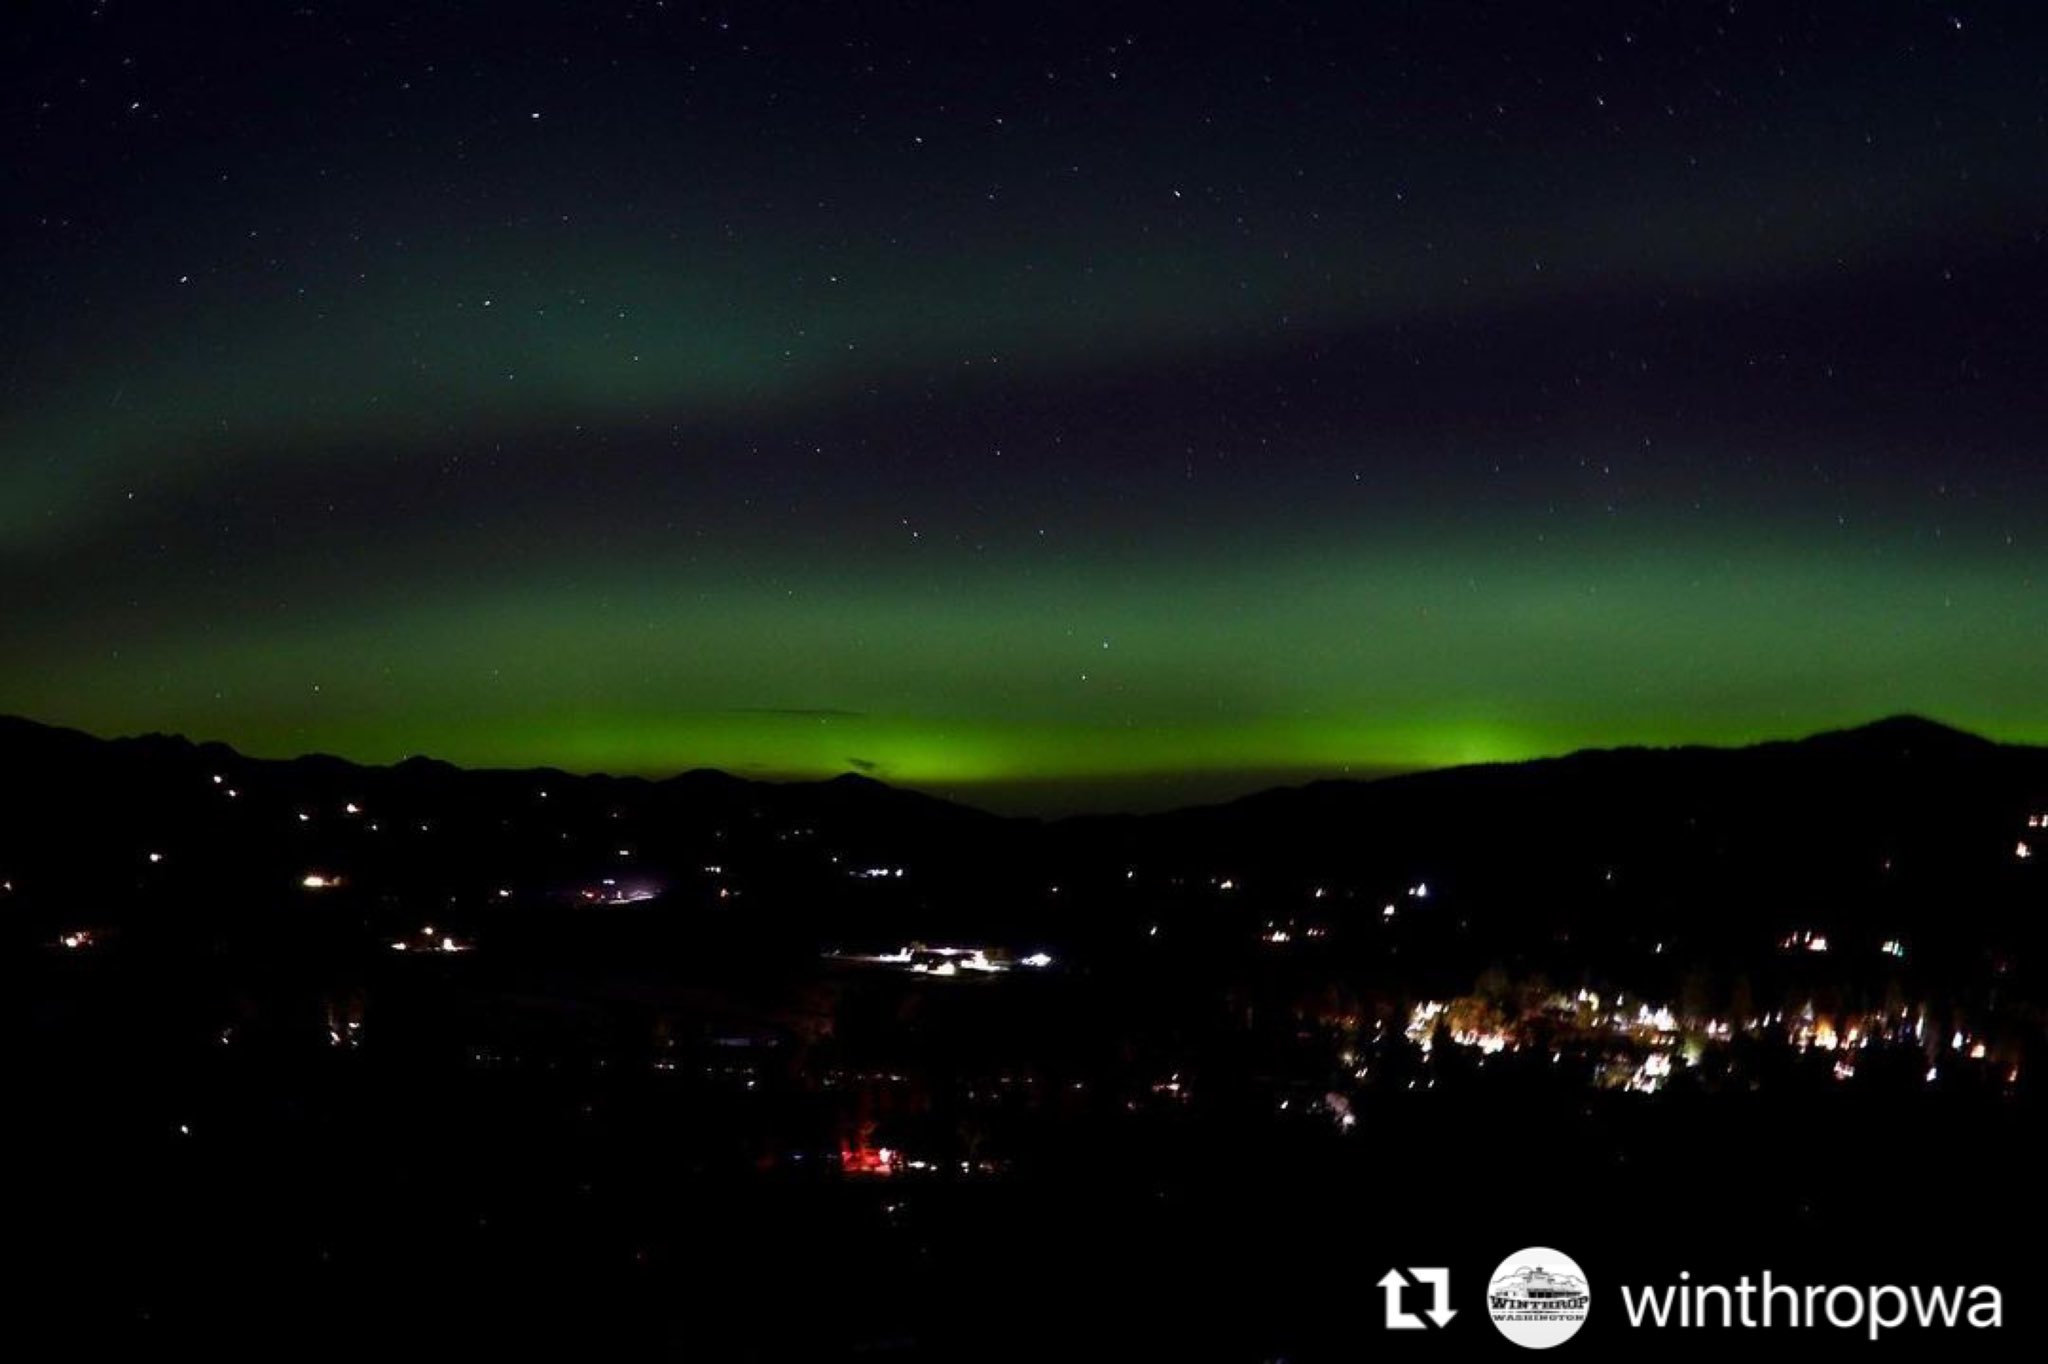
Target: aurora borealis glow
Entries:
(1030, 406)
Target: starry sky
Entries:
(1053, 407)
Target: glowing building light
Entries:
(1651, 1074)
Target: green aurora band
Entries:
(1023, 692)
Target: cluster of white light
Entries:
(948, 961)
(1422, 1023)
(1488, 1043)
(1660, 1018)
(1652, 1073)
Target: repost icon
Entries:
(1439, 1312)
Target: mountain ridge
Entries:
(1903, 735)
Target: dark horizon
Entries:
(423, 1053)
(1054, 798)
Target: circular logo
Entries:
(1538, 1297)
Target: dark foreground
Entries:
(275, 1194)
(317, 1058)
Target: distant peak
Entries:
(1916, 726)
(1908, 732)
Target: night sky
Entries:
(1050, 407)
